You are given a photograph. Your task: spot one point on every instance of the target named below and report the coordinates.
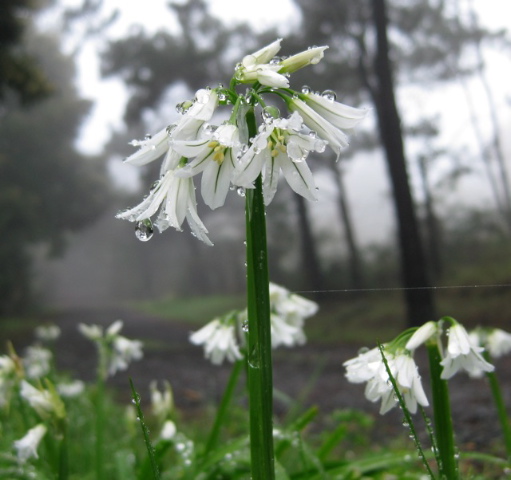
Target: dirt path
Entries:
(313, 368)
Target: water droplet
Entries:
(329, 95)
(144, 230)
(240, 191)
(148, 136)
(306, 89)
(170, 128)
(244, 327)
(269, 113)
(253, 358)
(275, 60)
(222, 97)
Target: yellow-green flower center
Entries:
(277, 142)
(218, 151)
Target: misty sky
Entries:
(366, 179)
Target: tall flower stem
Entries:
(259, 354)
(501, 407)
(444, 430)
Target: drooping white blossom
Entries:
(328, 118)
(311, 56)
(188, 127)
(174, 196)
(168, 430)
(40, 399)
(37, 361)
(462, 354)
(71, 389)
(27, 446)
(215, 156)
(498, 342)
(280, 146)
(219, 341)
(422, 335)
(116, 351)
(369, 367)
(162, 401)
(256, 68)
(47, 333)
(7, 378)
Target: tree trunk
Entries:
(310, 258)
(354, 261)
(419, 298)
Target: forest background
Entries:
(418, 209)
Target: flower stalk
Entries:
(444, 430)
(259, 357)
(500, 406)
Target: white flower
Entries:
(255, 68)
(285, 333)
(280, 146)
(422, 335)
(71, 389)
(124, 351)
(188, 127)
(463, 354)
(47, 333)
(116, 351)
(288, 314)
(369, 367)
(498, 343)
(219, 341)
(361, 368)
(92, 332)
(41, 400)
(311, 56)
(175, 197)
(7, 378)
(27, 446)
(215, 156)
(168, 430)
(264, 55)
(162, 402)
(409, 382)
(327, 118)
(37, 361)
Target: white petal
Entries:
(150, 149)
(216, 181)
(298, 176)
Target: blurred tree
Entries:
(47, 188)
(377, 45)
(20, 72)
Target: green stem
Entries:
(500, 405)
(259, 355)
(444, 430)
(63, 457)
(100, 426)
(224, 406)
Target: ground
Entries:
(313, 372)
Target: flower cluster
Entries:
(225, 155)
(116, 351)
(220, 337)
(369, 367)
(462, 353)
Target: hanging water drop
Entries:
(306, 89)
(244, 327)
(144, 230)
(329, 95)
(148, 136)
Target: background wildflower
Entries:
(26, 447)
